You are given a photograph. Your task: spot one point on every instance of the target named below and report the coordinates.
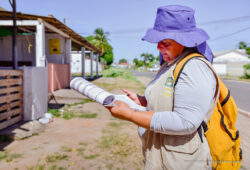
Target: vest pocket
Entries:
(188, 144)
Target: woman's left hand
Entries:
(121, 110)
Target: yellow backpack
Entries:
(222, 136)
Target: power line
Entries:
(228, 35)
(222, 21)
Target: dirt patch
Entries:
(100, 142)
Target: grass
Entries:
(83, 143)
(114, 126)
(56, 157)
(117, 125)
(92, 156)
(66, 149)
(117, 144)
(87, 100)
(37, 167)
(54, 112)
(114, 72)
(3, 155)
(121, 83)
(88, 115)
(80, 151)
(53, 167)
(9, 157)
(69, 114)
(238, 78)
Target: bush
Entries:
(247, 71)
(54, 112)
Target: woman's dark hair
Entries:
(191, 50)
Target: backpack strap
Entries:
(180, 65)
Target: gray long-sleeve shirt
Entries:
(194, 93)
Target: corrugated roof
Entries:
(77, 40)
(2, 9)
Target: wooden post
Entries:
(40, 44)
(83, 62)
(97, 61)
(91, 64)
(14, 46)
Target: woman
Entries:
(169, 129)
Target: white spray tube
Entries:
(101, 96)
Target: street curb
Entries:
(243, 112)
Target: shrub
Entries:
(247, 71)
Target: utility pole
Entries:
(14, 31)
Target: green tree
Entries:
(242, 45)
(147, 58)
(136, 61)
(157, 58)
(108, 55)
(100, 40)
(248, 51)
(123, 60)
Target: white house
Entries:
(76, 63)
(230, 62)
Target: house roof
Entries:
(2, 9)
(231, 56)
(238, 51)
(77, 40)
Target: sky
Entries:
(227, 22)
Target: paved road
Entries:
(239, 90)
(241, 93)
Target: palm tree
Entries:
(100, 39)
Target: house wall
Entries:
(35, 96)
(23, 52)
(233, 61)
(55, 58)
(235, 68)
(220, 69)
(76, 64)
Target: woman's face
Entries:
(169, 49)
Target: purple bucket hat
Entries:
(178, 23)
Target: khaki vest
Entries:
(173, 152)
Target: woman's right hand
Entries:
(140, 100)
